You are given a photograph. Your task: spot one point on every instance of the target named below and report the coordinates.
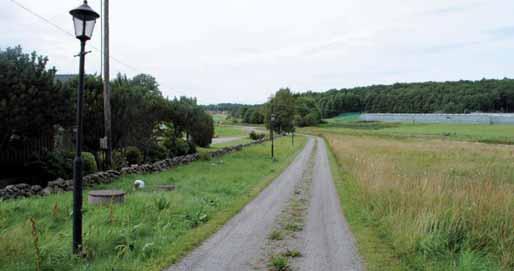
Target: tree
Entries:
(202, 129)
(283, 106)
(31, 102)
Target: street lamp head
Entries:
(84, 19)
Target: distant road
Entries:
(325, 242)
(220, 140)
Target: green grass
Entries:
(345, 117)
(279, 263)
(231, 143)
(229, 131)
(376, 253)
(495, 134)
(151, 230)
(219, 117)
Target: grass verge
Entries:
(376, 253)
(152, 229)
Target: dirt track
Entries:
(325, 241)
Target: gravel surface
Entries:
(325, 242)
(329, 244)
(220, 140)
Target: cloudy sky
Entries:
(244, 50)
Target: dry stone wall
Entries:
(24, 190)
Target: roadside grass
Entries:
(230, 143)
(152, 229)
(427, 204)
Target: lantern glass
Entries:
(84, 19)
(83, 29)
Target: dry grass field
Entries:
(438, 204)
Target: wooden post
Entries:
(107, 87)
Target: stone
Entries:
(166, 187)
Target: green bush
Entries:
(119, 159)
(89, 163)
(59, 165)
(156, 152)
(202, 129)
(133, 155)
(256, 136)
(181, 147)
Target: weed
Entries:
(35, 238)
(279, 263)
(55, 211)
(292, 253)
(161, 203)
(294, 227)
(276, 235)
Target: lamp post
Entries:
(84, 19)
(272, 121)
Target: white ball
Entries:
(139, 184)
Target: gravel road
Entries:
(220, 140)
(328, 242)
(325, 242)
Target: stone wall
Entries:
(23, 190)
(473, 118)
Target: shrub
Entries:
(205, 156)
(59, 165)
(202, 128)
(256, 136)
(156, 152)
(181, 148)
(133, 155)
(119, 159)
(89, 163)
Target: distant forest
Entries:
(428, 97)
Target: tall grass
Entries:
(441, 205)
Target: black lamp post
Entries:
(271, 123)
(84, 19)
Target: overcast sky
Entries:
(242, 50)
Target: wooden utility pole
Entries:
(107, 87)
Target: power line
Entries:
(18, 4)
(44, 19)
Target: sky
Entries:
(244, 50)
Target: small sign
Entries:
(103, 143)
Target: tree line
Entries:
(428, 97)
(33, 103)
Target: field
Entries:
(151, 229)
(229, 131)
(349, 124)
(418, 201)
